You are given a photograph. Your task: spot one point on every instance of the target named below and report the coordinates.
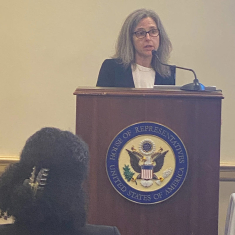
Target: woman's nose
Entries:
(147, 36)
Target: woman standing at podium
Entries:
(133, 64)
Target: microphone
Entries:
(195, 86)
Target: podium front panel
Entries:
(195, 117)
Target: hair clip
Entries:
(39, 182)
(4, 215)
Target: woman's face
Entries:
(144, 46)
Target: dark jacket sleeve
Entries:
(91, 229)
(88, 229)
(159, 80)
(106, 76)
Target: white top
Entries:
(230, 219)
(143, 77)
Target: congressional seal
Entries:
(147, 163)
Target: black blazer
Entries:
(113, 74)
(12, 229)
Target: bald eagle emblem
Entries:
(146, 163)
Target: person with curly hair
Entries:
(44, 192)
(133, 64)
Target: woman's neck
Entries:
(145, 62)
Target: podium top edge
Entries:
(147, 92)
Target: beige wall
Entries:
(50, 47)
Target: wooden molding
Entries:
(6, 160)
(9, 159)
(227, 169)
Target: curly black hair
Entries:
(62, 202)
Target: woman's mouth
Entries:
(149, 47)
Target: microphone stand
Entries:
(195, 86)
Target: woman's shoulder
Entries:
(112, 62)
(169, 80)
(90, 229)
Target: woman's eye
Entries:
(141, 33)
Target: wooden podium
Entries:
(101, 113)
